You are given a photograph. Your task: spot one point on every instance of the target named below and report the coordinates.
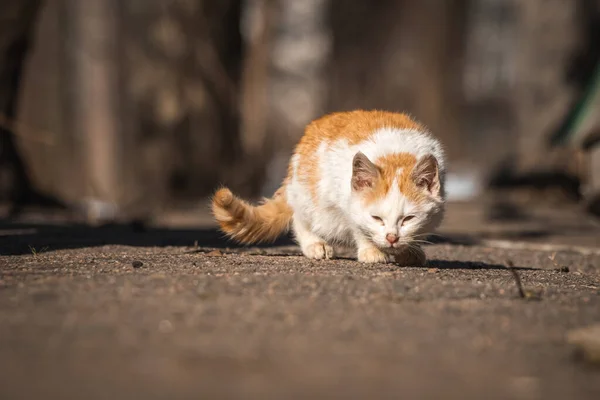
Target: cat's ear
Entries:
(426, 174)
(364, 172)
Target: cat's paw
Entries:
(373, 255)
(415, 257)
(318, 251)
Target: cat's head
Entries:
(396, 199)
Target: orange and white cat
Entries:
(372, 180)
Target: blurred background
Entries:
(131, 109)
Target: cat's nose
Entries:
(390, 237)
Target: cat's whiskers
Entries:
(412, 249)
(420, 241)
(429, 234)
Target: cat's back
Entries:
(355, 127)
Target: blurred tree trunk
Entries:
(489, 80)
(400, 55)
(93, 102)
(285, 83)
(549, 37)
(163, 77)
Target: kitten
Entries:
(372, 180)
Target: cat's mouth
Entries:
(394, 246)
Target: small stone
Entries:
(137, 264)
(214, 253)
(534, 294)
(587, 342)
(165, 326)
(525, 387)
(432, 270)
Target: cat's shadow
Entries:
(431, 263)
(453, 264)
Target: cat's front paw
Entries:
(373, 255)
(318, 251)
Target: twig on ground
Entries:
(511, 267)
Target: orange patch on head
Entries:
(353, 126)
(395, 168)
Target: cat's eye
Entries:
(407, 218)
(378, 219)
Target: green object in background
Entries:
(582, 124)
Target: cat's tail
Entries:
(246, 223)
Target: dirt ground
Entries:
(123, 312)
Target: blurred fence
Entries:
(139, 102)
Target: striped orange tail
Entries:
(248, 224)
